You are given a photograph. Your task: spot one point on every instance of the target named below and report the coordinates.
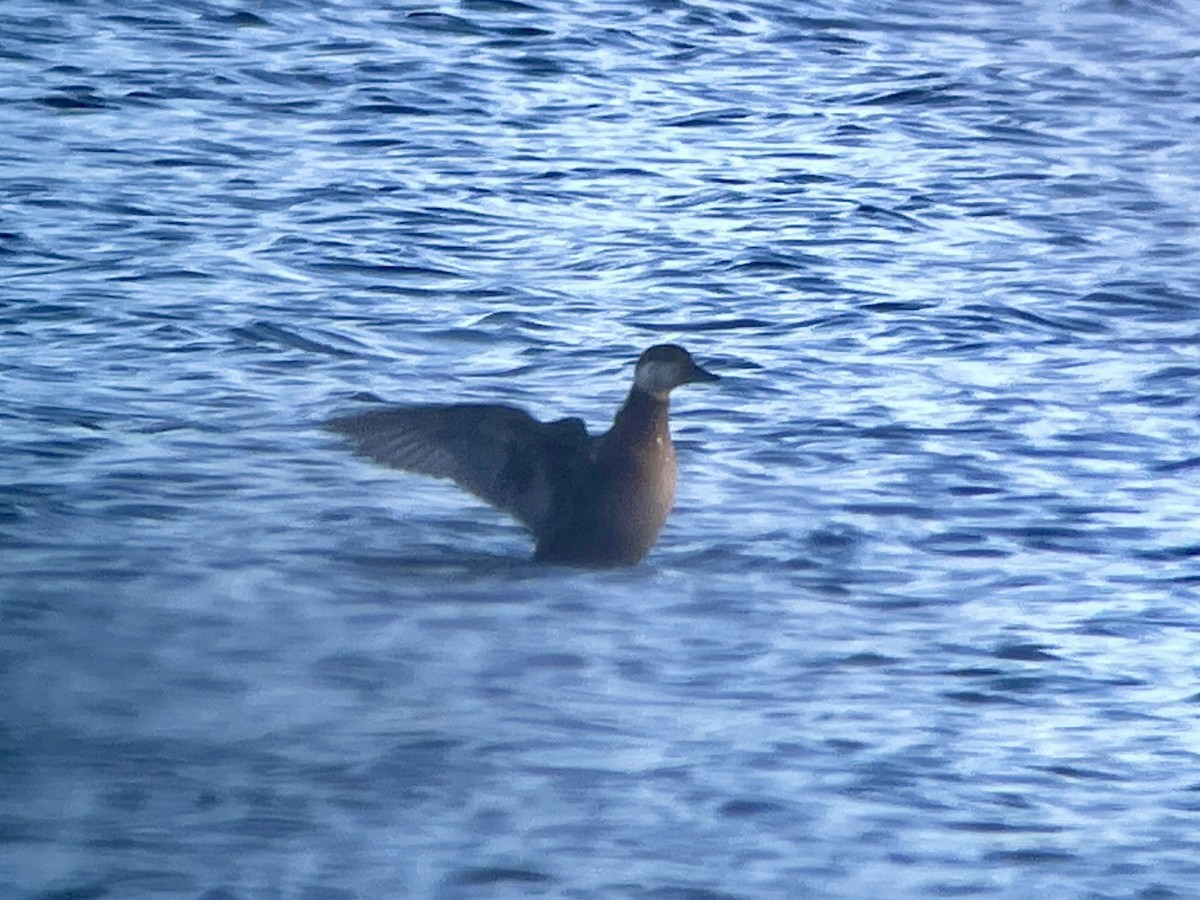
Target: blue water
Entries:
(925, 622)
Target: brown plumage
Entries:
(593, 501)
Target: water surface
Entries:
(924, 623)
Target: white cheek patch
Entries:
(656, 377)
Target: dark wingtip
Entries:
(339, 424)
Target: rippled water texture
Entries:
(925, 621)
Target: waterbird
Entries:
(588, 501)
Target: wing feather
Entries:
(501, 454)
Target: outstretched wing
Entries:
(500, 454)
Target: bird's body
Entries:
(593, 501)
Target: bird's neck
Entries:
(642, 420)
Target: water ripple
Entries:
(925, 613)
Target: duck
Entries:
(588, 501)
